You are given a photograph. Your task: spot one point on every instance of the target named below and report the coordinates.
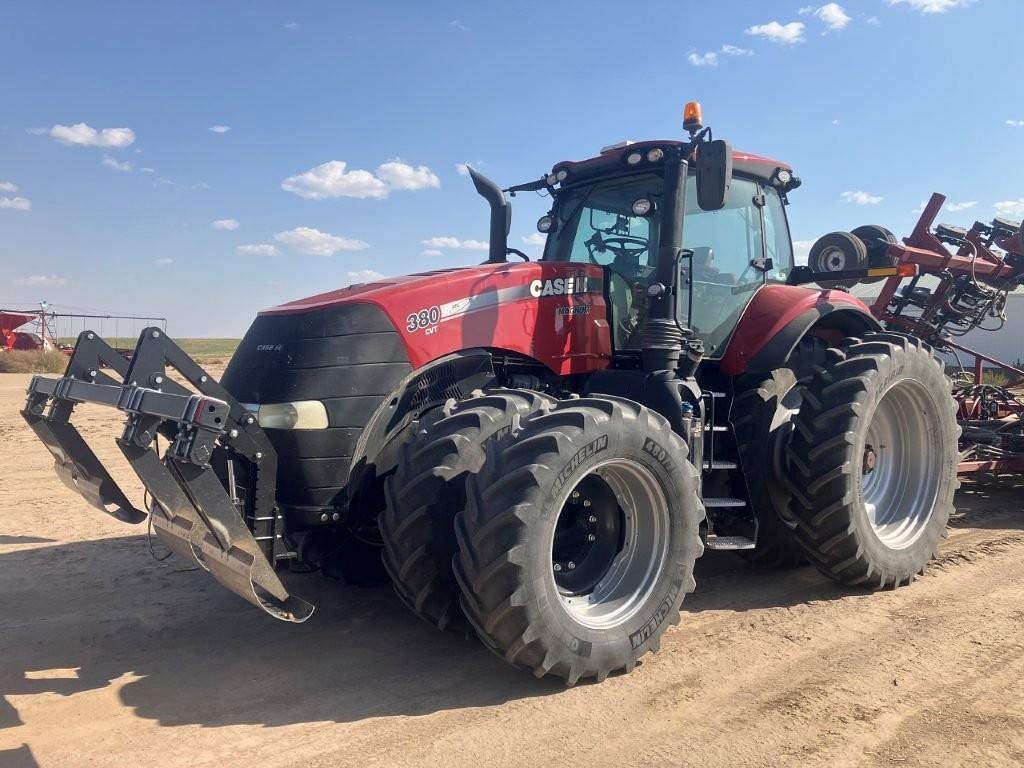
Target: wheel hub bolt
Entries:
(572, 565)
(870, 460)
(558, 567)
(575, 494)
(586, 502)
(592, 519)
(591, 537)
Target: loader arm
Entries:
(196, 513)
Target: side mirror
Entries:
(714, 174)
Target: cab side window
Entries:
(721, 275)
(777, 238)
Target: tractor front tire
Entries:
(761, 417)
(579, 538)
(428, 488)
(873, 461)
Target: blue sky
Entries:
(346, 123)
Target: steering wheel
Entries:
(622, 246)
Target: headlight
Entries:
(633, 158)
(562, 174)
(642, 206)
(783, 176)
(305, 414)
(654, 155)
(545, 224)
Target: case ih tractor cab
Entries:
(541, 450)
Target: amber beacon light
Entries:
(693, 117)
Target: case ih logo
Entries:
(559, 286)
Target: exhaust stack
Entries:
(501, 216)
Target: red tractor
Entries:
(540, 451)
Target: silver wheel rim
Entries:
(900, 465)
(631, 574)
(834, 260)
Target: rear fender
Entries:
(779, 316)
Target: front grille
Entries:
(350, 357)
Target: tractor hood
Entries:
(527, 308)
(364, 291)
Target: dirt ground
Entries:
(109, 658)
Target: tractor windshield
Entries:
(597, 225)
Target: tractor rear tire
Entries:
(761, 418)
(428, 488)
(873, 461)
(579, 538)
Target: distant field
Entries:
(203, 350)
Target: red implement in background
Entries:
(974, 276)
(10, 338)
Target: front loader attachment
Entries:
(213, 489)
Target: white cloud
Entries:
(121, 167)
(965, 206)
(257, 249)
(399, 175)
(801, 250)
(735, 50)
(861, 198)
(85, 135)
(832, 16)
(448, 242)
(41, 281)
(1011, 207)
(785, 34)
(709, 59)
(835, 122)
(292, 25)
(456, 24)
(330, 179)
(313, 242)
(365, 276)
(145, 170)
(163, 262)
(932, 6)
(1015, 123)
(873, 21)
(462, 169)
(431, 252)
(8, 186)
(535, 239)
(228, 225)
(16, 203)
(219, 128)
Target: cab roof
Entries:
(745, 163)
